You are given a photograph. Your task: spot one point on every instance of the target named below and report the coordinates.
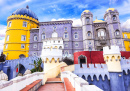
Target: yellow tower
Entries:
(17, 37)
(112, 57)
(126, 36)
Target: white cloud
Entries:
(2, 30)
(126, 25)
(1, 45)
(76, 22)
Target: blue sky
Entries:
(48, 10)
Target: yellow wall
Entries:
(127, 43)
(15, 32)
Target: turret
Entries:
(87, 28)
(112, 57)
(112, 18)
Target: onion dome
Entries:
(96, 21)
(27, 72)
(110, 9)
(25, 11)
(86, 11)
(3, 76)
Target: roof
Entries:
(96, 21)
(25, 11)
(86, 11)
(112, 9)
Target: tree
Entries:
(2, 57)
(37, 65)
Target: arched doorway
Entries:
(82, 60)
(21, 70)
(21, 56)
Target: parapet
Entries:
(111, 50)
(22, 17)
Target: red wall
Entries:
(93, 56)
(125, 54)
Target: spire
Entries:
(27, 7)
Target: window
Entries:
(34, 45)
(24, 24)
(58, 41)
(118, 42)
(66, 44)
(23, 37)
(35, 38)
(89, 42)
(43, 29)
(125, 36)
(87, 19)
(66, 53)
(117, 33)
(89, 34)
(90, 49)
(76, 35)
(65, 28)
(66, 35)
(114, 17)
(7, 38)
(54, 27)
(9, 24)
(6, 46)
(76, 44)
(101, 33)
(34, 54)
(22, 46)
(43, 36)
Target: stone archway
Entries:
(82, 60)
(21, 56)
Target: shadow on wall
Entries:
(68, 61)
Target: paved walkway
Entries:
(52, 85)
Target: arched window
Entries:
(54, 34)
(87, 19)
(125, 36)
(76, 35)
(66, 53)
(65, 35)
(43, 36)
(43, 29)
(35, 38)
(101, 33)
(114, 17)
(117, 33)
(89, 34)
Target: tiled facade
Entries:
(91, 36)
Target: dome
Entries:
(96, 21)
(25, 11)
(3, 76)
(112, 9)
(86, 11)
(27, 72)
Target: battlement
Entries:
(111, 50)
(97, 70)
(22, 17)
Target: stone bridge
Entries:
(9, 66)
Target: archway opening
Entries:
(8, 74)
(82, 60)
(22, 69)
(21, 56)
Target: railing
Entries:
(20, 82)
(78, 83)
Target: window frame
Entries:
(76, 43)
(66, 44)
(6, 46)
(75, 35)
(34, 45)
(24, 24)
(125, 36)
(113, 18)
(22, 38)
(65, 35)
(7, 38)
(22, 45)
(44, 36)
(34, 37)
(9, 24)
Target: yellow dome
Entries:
(86, 11)
(112, 9)
(98, 21)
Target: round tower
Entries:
(18, 33)
(112, 18)
(87, 28)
